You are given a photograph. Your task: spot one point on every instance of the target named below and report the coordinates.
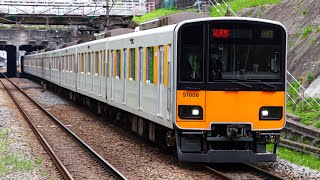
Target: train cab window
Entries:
(149, 65)
(191, 53)
(246, 53)
(132, 61)
(96, 63)
(118, 61)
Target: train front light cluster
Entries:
(270, 113)
(190, 112)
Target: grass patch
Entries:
(317, 124)
(237, 5)
(305, 11)
(302, 159)
(11, 162)
(312, 41)
(317, 29)
(154, 14)
(310, 77)
(306, 31)
(309, 115)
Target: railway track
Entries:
(73, 158)
(240, 171)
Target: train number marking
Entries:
(188, 94)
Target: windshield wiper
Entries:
(260, 82)
(235, 81)
(243, 84)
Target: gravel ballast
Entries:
(136, 158)
(31, 160)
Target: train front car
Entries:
(230, 89)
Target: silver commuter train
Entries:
(145, 73)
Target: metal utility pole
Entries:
(107, 16)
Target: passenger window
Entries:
(102, 62)
(70, 63)
(124, 75)
(96, 63)
(88, 68)
(118, 61)
(132, 61)
(92, 63)
(81, 62)
(62, 63)
(149, 65)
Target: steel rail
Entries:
(93, 153)
(220, 174)
(268, 175)
(62, 169)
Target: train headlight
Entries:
(195, 112)
(265, 113)
(190, 112)
(271, 113)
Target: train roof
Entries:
(169, 28)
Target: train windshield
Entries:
(221, 51)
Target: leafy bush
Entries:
(317, 124)
(310, 77)
(307, 30)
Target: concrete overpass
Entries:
(20, 38)
(72, 12)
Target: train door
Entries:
(141, 60)
(60, 68)
(160, 79)
(168, 60)
(124, 75)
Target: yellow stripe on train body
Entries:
(230, 107)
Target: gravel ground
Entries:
(23, 144)
(287, 169)
(116, 144)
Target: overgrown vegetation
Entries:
(310, 77)
(310, 115)
(11, 162)
(299, 158)
(304, 12)
(155, 14)
(312, 41)
(306, 31)
(317, 29)
(237, 5)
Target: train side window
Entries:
(118, 61)
(149, 65)
(70, 63)
(113, 64)
(102, 63)
(96, 63)
(124, 64)
(92, 63)
(83, 62)
(132, 61)
(62, 63)
(108, 64)
(88, 63)
(67, 63)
